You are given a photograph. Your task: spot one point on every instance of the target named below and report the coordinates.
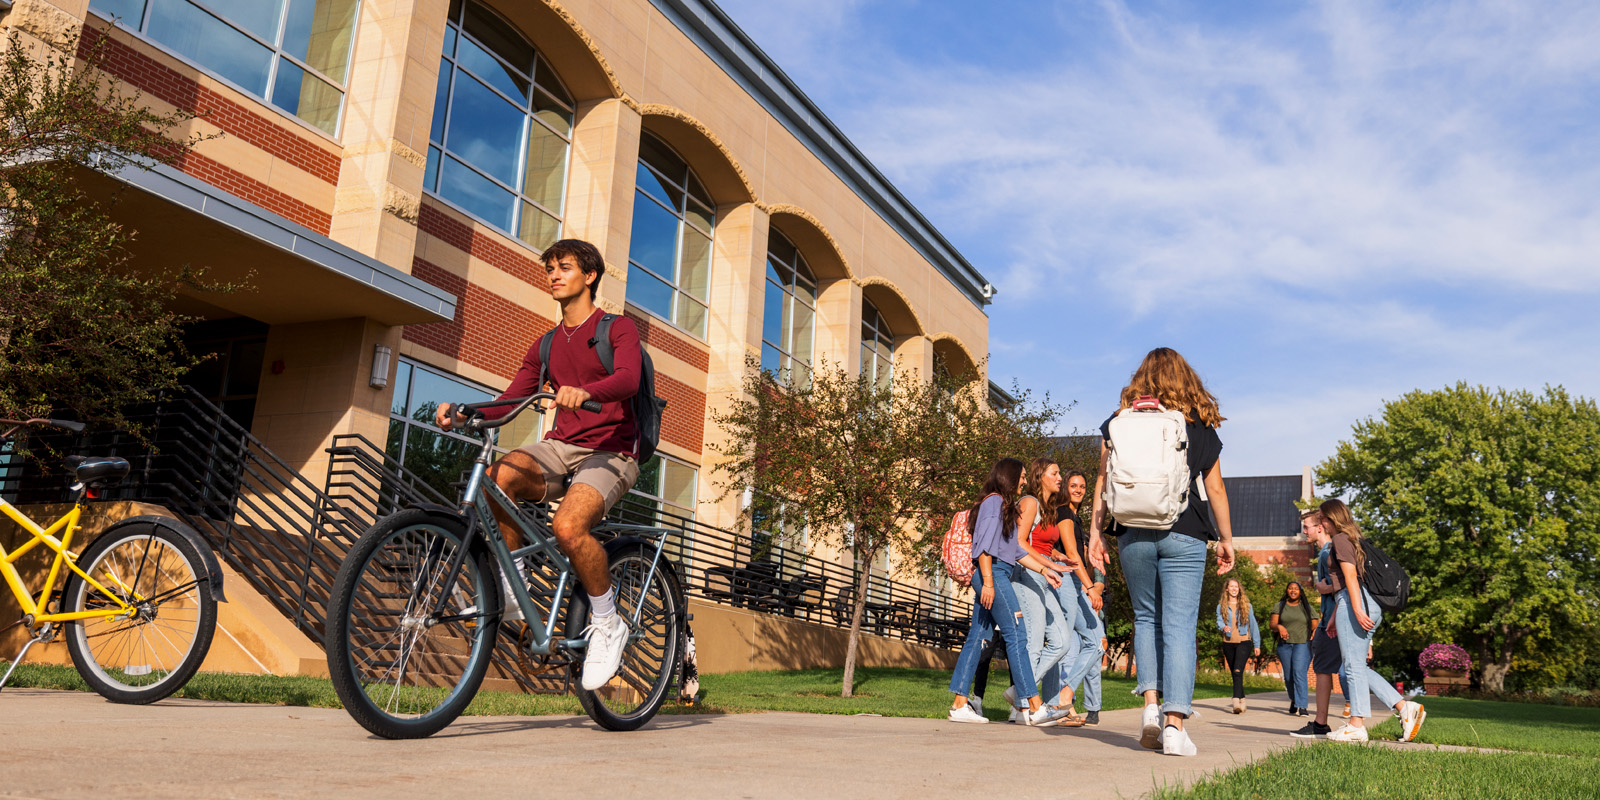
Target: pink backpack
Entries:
(956, 551)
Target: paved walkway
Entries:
(61, 744)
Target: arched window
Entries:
(502, 123)
(877, 345)
(294, 54)
(669, 253)
(788, 318)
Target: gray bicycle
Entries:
(416, 607)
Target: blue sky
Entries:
(1323, 205)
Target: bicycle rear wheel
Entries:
(148, 655)
(652, 655)
(399, 674)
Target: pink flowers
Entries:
(1444, 656)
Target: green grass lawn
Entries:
(1331, 770)
(891, 692)
(1562, 730)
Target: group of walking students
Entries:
(1038, 579)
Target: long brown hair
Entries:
(1166, 376)
(1066, 499)
(1047, 505)
(1003, 480)
(1338, 516)
(1244, 598)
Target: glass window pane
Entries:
(522, 431)
(402, 388)
(306, 96)
(654, 152)
(259, 17)
(211, 43)
(885, 371)
(801, 378)
(551, 82)
(805, 331)
(649, 292)
(553, 114)
(546, 168)
(438, 460)
(664, 191)
(869, 337)
(472, 56)
(441, 102)
(654, 241)
(498, 37)
(691, 315)
(805, 290)
(431, 387)
(318, 32)
(397, 439)
(476, 194)
(649, 482)
(772, 315)
(126, 12)
(538, 228)
(678, 484)
(699, 192)
(430, 175)
(778, 247)
(485, 130)
(450, 40)
(694, 267)
(771, 359)
(701, 217)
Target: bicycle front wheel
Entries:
(400, 671)
(651, 657)
(148, 653)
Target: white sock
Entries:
(602, 606)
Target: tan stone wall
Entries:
(733, 640)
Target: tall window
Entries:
(436, 456)
(669, 254)
(877, 345)
(788, 319)
(292, 53)
(502, 123)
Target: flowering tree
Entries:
(870, 467)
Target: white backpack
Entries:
(1147, 472)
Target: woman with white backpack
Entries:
(1160, 483)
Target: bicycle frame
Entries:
(32, 608)
(478, 504)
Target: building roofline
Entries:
(715, 33)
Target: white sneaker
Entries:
(966, 714)
(511, 611)
(1043, 718)
(1150, 727)
(607, 636)
(1011, 696)
(1175, 742)
(976, 704)
(1348, 733)
(1016, 715)
(1411, 716)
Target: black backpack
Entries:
(647, 407)
(1384, 579)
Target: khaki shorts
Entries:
(610, 474)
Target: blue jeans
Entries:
(1085, 668)
(1296, 659)
(1353, 642)
(1048, 626)
(1164, 571)
(1004, 615)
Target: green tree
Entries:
(872, 468)
(1491, 500)
(79, 331)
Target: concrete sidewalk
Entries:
(57, 744)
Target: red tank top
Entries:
(1043, 538)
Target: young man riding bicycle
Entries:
(589, 460)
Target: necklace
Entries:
(563, 328)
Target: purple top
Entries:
(986, 536)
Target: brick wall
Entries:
(482, 245)
(660, 339)
(488, 331)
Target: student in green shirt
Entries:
(1293, 619)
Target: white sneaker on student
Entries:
(1176, 742)
(1043, 718)
(976, 704)
(1016, 715)
(1348, 733)
(1150, 727)
(510, 611)
(966, 714)
(607, 636)
(1411, 717)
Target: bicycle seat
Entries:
(97, 472)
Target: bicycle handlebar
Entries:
(64, 424)
(477, 422)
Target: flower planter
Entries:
(1438, 684)
(1446, 673)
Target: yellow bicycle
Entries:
(139, 605)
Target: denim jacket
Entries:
(1222, 622)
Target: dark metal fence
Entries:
(287, 537)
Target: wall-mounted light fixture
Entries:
(380, 367)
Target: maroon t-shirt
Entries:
(573, 362)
